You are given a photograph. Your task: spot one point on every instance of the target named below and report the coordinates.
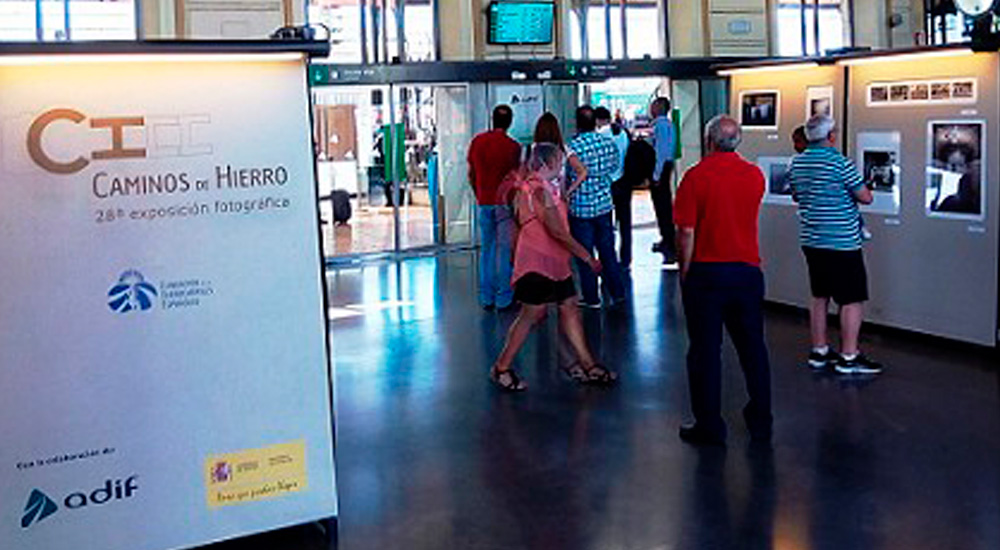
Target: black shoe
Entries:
(859, 365)
(697, 436)
(820, 361)
(657, 246)
(488, 307)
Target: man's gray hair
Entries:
(818, 128)
(724, 132)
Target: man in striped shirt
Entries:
(828, 188)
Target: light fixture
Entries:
(913, 56)
(69, 58)
(769, 68)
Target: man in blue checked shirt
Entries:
(590, 207)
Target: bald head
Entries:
(722, 134)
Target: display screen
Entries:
(521, 22)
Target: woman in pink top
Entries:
(542, 275)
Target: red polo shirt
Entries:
(720, 198)
(492, 155)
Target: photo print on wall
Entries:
(878, 161)
(922, 92)
(759, 109)
(775, 169)
(819, 101)
(955, 185)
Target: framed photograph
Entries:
(878, 94)
(963, 89)
(878, 161)
(956, 178)
(759, 109)
(899, 93)
(775, 171)
(819, 101)
(941, 91)
(920, 91)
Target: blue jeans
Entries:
(730, 295)
(598, 233)
(495, 231)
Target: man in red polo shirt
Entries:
(492, 155)
(721, 282)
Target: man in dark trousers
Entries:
(492, 155)
(640, 160)
(664, 141)
(716, 211)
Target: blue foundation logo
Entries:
(131, 292)
(39, 507)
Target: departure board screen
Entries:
(521, 22)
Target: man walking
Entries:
(828, 189)
(721, 283)
(590, 208)
(492, 155)
(664, 141)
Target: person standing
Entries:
(621, 191)
(664, 142)
(590, 208)
(718, 202)
(828, 188)
(492, 155)
(542, 272)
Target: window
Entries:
(345, 19)
(794, 17)
(28, 20)
(642, 21)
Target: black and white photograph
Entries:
(759, 110)
(963, 89)
(954, 169)
(899, 93)
(880, 170)
(878, 160)
(819, 101)
(941, 91)
(878, 94)
(775, 170)
(920, 91)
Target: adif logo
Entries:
(39, 507)
(65, 140)
(131, 292)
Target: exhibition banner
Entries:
(164, 371)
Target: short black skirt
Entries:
(534, 289)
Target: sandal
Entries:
(576, 372)
(597, 375)
(507, 380)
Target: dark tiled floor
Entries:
(429, 456)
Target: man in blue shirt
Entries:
(590, 207)
(828, 188)
(659, 191)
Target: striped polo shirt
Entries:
(823, 183)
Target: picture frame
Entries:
(955, 183)
(760, 110)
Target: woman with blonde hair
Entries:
(542, 276)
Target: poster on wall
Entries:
(819, 101)
(759, 109)
(527, 103)
(956, 180)
(878, 161)
(914, 93)
(165, 370)
(778, 189)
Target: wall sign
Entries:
(163, 336)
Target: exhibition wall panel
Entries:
(932, 266)
(771, 148)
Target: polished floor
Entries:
(430, 456)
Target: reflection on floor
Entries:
(430, 456)
(371, 227)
